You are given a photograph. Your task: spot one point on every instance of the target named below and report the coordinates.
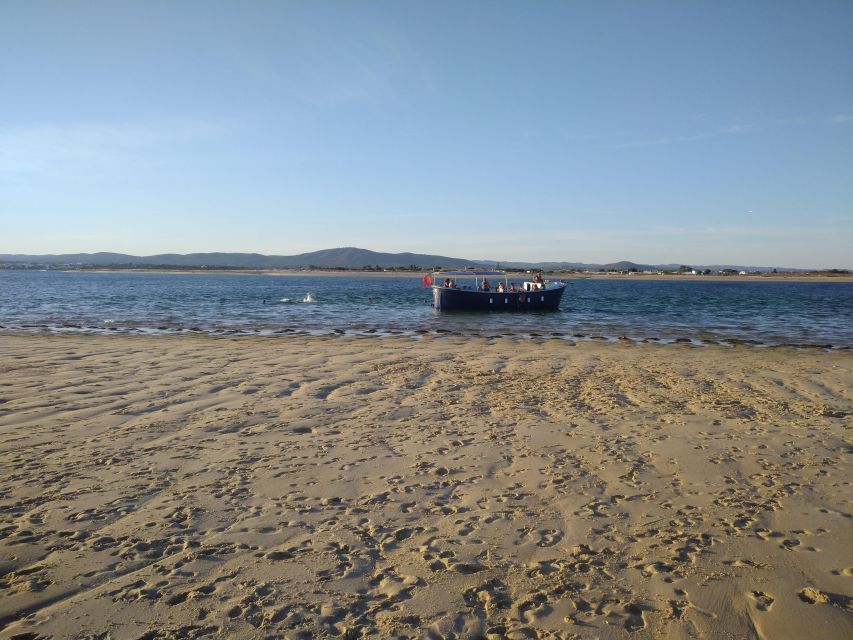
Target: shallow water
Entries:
(764, 313)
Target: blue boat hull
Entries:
(447, 299)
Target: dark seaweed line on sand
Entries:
(521, 335)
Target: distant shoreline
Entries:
(775, 277)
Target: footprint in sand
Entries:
(816, 596)
(678, 608)
(650, 569)
(549, 537)
(32, 578)
(813, 596)
(763, 601)
(744, 562)
(537, 606)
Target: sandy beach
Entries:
(306, 487)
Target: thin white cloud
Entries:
(736, 128)
(796, 120)
(72, 150)
(81, 236)
(731, 130)
(320, 67)
(571, 136)
(837, 118)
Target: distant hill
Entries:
(341, 258)
(624, 265)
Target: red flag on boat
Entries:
(427, 281)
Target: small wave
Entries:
(309, 297)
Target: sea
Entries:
(762, 313)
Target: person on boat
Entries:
(500, 288)
(537, 280)
(485, 286)
(448, 283)
(512, 287)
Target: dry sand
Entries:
(166, 487)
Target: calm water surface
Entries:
(765, 313)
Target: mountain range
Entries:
(340, 258)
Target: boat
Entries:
(476, 293)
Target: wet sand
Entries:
(299, 487)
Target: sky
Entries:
(703, 132)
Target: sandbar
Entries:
(439, 487)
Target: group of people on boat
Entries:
(538, 283)
(500, 288)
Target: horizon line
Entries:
(19, 258)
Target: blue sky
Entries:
(694, 132)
